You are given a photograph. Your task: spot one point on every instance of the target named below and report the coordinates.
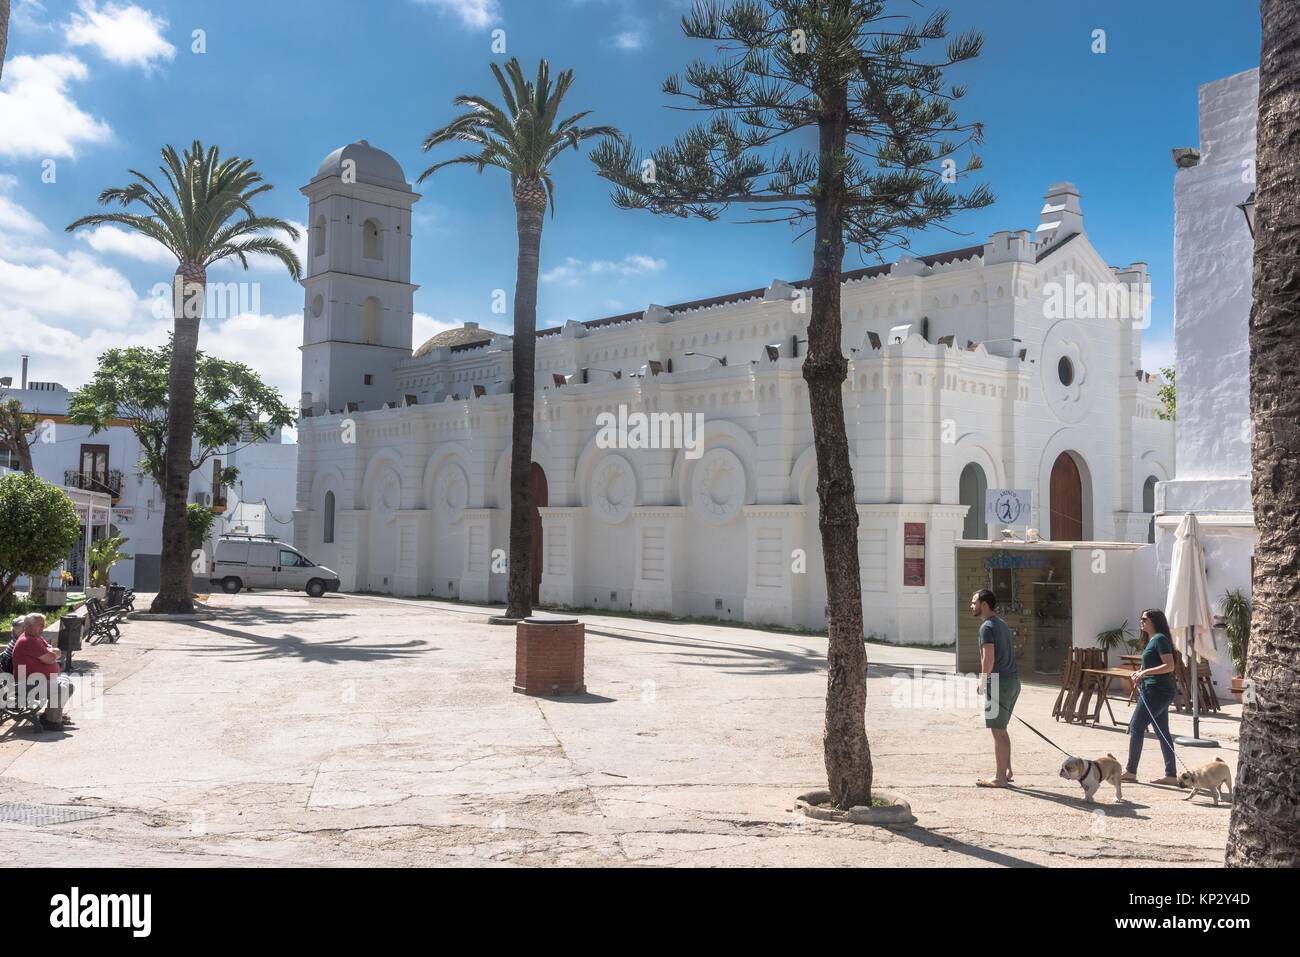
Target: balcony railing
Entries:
(109, 481)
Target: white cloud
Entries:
(574, 269)
(113, 240)
(472, 13)
(629, 40)
(425, 327)
(37, 117)
(125, 34)
(14, 218)
(266, 343)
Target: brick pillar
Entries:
(549, 656)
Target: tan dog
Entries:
(1208, 778)
(1090, 774)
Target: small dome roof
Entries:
(372, 166)
(467, 335)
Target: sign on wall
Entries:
(1007, 506)
(914, 553)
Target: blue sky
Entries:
(98, 87)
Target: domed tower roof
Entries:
(467, 335)
(372, 166)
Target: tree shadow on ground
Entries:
(944, 842)
(754, 659)
(330, 652)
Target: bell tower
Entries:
(359, 302)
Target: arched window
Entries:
(328, 536)
(1149, 505)
(372, 240)
(318, 237)
(971, 491)
(372, 321)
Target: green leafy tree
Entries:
(38, 527)
(522, 136)
(868, 89)
(199, 519)
(17, 433)
(201, 214)
(1168, 393)
(232, 405)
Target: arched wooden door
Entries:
(538, 480)
(1066, 500)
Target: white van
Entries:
(262, 562)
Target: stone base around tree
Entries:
(898, 813)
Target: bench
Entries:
(15, 706)
(102, 622)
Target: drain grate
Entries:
(41, 814)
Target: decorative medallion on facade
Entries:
(718, 486)
(613, 489)
(450, 494)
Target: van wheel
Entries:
(231, 586)
(315, 588)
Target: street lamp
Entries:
(721, 360)
(1248, 210)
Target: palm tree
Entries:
(204, 215)
(523, 136)
(4, 33)
(1265, 827)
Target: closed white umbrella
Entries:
(1188, 609)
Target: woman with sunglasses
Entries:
(1156, 690)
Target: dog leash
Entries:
(1143, 699)
(1043, 736)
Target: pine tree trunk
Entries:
(1265, 824)
(530, 212)
(175, 589)
(847, 753)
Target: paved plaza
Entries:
(371, 731)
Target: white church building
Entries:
(1014, 364)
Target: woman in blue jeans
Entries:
(1155, 681)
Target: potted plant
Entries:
(104, 554)
(56, 595)
(1236, 622)
(1113, 638)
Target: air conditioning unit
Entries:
(203, 498)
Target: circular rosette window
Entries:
(450, 494)
(613, 489)
(718, 486)
(1065, 373)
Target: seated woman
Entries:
(1156, 690)
(32, 657)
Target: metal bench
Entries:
(102, 622)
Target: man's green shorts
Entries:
(1001, 701)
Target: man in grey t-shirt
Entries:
(999, 681)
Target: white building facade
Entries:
(108, 462)
(1213, 256)
(1008, 365)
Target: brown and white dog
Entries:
(1090, 774)
(1208, 778)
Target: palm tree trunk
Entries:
(174, 590)
(4, 33)
(1265, 825)
(530, 213)
(847, 752)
